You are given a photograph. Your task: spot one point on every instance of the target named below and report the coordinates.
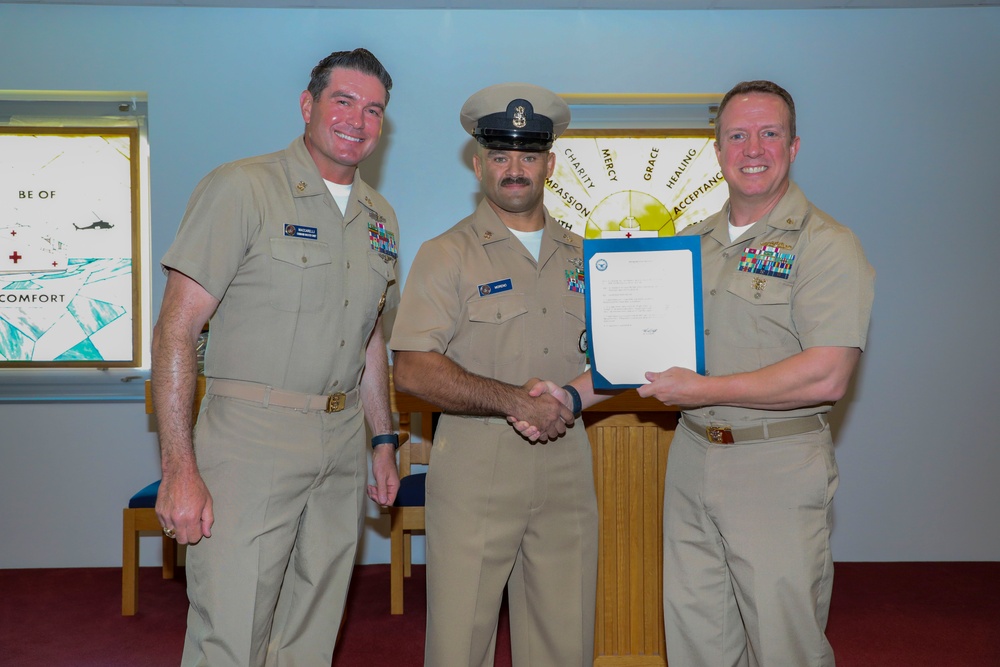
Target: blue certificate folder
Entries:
(644, 307)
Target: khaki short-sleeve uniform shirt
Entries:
(476, 295)
(502, 511)
(796, 279)
(300, 284)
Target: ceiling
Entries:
(531, 4)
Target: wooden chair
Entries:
(140, 517)
(406, 516)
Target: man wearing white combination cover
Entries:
(488, 304)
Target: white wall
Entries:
(895, 113)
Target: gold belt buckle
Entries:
(719, 435)
(336, 402)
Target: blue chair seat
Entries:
(412, 491)
(146, 497)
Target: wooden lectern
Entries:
(630, 437)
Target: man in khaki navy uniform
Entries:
(490, 303)
(296, 363)
(751, 472)
(747, 570)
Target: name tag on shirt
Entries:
(494, 287)
(301, 232)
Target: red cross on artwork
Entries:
(55, 263)
(15, 257)
(628, 235)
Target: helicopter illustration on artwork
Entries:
(99, 224)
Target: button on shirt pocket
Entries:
(497, 324)
(298, 274)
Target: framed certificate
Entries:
(644, 307)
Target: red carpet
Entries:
(916, 615)
(883, 615)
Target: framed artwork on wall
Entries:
(636, 165)
(70, 291)
(634, 183)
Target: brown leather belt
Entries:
(726, 435)
(266, 395)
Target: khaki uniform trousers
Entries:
(502, 511)
(269, 586)
(747, 570)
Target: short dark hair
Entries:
(766, 87)
(360, 60)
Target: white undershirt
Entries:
(734, 231)
(531, 240)
(341, 194)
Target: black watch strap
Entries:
(575, 395)
(384, 439)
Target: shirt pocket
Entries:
(299, 274)
(574, 329)
(497, 324)
(760, 319)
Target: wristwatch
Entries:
(386, 438)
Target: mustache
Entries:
(515, 180)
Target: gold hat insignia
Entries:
(520, 120)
